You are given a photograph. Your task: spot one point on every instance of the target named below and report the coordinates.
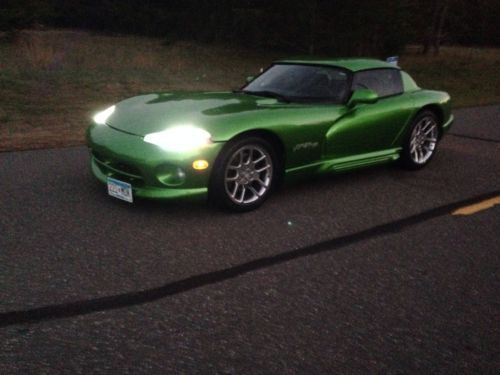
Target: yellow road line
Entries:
(473, 208)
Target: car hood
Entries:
(212, 111)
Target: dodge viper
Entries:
(296, 118)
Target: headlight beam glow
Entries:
(179, 138)
(101, 117)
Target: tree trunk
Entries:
(439, 27)
(312, 27)
(429, 35)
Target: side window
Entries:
(385, 82)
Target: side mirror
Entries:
(250, 79)
(362, 96)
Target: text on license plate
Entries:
(119, 189)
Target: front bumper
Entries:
(152, 172)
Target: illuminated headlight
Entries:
(180, 138)
(101, 117)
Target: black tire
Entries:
(419, 149)
(252, 183)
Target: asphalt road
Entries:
(360, 272)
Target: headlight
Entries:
(180, 138)
(101, 117)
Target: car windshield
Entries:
(293, 82)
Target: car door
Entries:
(368, 128)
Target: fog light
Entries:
(170, 175)
(200, 164)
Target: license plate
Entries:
(119, 189)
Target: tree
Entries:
(435, 28)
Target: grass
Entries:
(470, 75)
(51, 82)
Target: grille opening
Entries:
(119, 170)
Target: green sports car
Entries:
(297, 118)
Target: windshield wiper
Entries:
(267, 94)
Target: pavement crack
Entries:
(474, 138)
(83, 307)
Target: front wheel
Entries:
(244, 174)
(420, 146)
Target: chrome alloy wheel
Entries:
(248, 174)
(423, 140)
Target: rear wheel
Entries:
(420, 146)
(244, 174)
